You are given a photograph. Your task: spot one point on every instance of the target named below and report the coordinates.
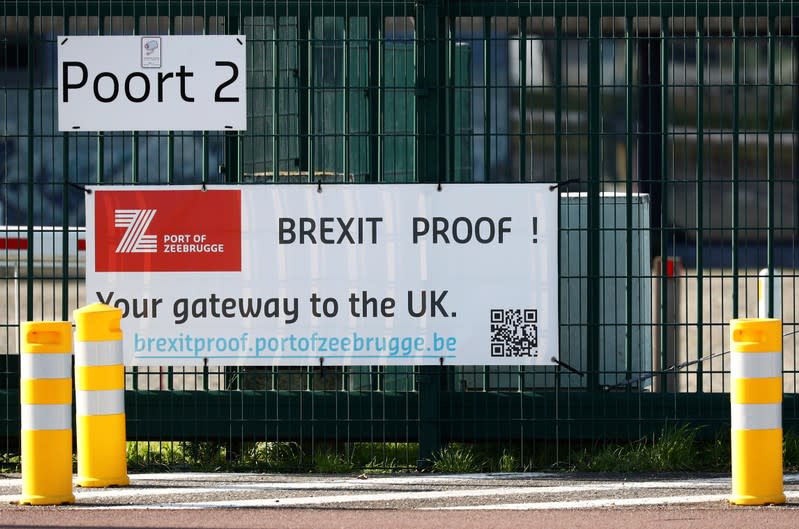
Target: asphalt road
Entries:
(412, 501)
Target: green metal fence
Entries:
(669, 127)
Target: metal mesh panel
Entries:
(669, 127)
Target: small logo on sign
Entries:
(167, 230)
(151, 52)
(135, 240)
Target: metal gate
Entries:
(669, 127)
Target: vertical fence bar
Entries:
(736, 137)
(29, 291)
(65, 214)
(134, 135)
(628, 187)
(134, 175)
(170, 179)
(312, 134)
(345, 94)
(441, 92)
(771, 174)
(233, 143)
(450, 90)
(664, 136)
(700, 198)
(305, 95)
(100, 169)
(558, 81)
(170, 144)
(487, 91)
(558, 86)
(593, 248)
(204, 179)
(523, 99)
(373, 97)
(276, 99)
(428, 87)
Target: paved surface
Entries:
(400, 501)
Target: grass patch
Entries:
(332, 463)
(790, 451)
(10, 463)
(378, 458)
(155, 455)
(273, 457)
(641, 456)
(456, 459)
(675, 449)
(508, 462)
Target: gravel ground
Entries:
(411, 501)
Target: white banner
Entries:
(340, 275)
(169, 82)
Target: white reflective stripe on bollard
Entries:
(756, 416)
(100, 402)
(755, 365)
(45, 365)
(46, 417)
(98, 353)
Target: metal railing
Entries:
(670, 128)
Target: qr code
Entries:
(514, 332)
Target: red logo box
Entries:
(167, 231)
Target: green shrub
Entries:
(332, 463)
(456, 459)
(273, 457)
(790, 444)
(675, 449)
(508, 462)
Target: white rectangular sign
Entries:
(169, 82)
(339, 275)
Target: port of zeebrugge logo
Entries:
(181, 230)
(136, 239)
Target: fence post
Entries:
(429, 386)
(756, 411)
(100, 397)
(430, 167)
(46, 399)
(667, 276)
(766, 308)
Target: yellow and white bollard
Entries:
(756, 411)
(100, 397)
(46, 398)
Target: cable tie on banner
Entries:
(204, 188)
(322, 366)
(438, 187)
(567, 367)
(319, 186)
(441, 361)
(82, 188)
(564, 183)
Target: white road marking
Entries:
(593, 504)
(415, 495)
(222, 484)
(604, 502)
